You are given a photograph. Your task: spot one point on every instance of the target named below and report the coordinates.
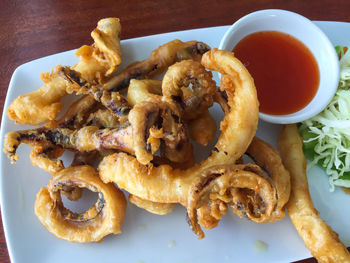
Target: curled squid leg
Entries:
(103, 218)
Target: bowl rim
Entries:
(302, 114)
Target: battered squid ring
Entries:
(105, 217)
(188, 84)
(246, 188)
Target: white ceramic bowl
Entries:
(308, 33)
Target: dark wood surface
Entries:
(31, 29)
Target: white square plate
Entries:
(146, 237)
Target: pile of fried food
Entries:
(141, 143)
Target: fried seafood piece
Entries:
(246, 188)
(96, 62)
(319, 238)
(103, 218)
(269, 159)
(158, 62)
(103, 118)
(86, 139)
(188, 84)
(154, 120)
(46, 158)
(152, 207)
(102, 58)
(43, 104)
(203, 128)
(76, 115)
(142, 90)
(113, 101)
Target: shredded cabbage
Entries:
(327, 135)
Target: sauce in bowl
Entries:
(285, 72)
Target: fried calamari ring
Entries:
(319, 238)
(246, 188)
(269, 159)
(105, 217)
(188, 84)
(152, 207)
(96, 61)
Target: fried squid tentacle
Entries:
(319, 237)
(104, 218)
(159, 60)
(188, 84)
(76, 115)
(246, 188)
(113, 101)
(88, 138)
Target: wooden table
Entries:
(36, 28)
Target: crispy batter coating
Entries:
(105, 217)
(152, 207)
(142, 90)
(203, 128)
(319, 238)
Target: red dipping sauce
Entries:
(285, 72)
